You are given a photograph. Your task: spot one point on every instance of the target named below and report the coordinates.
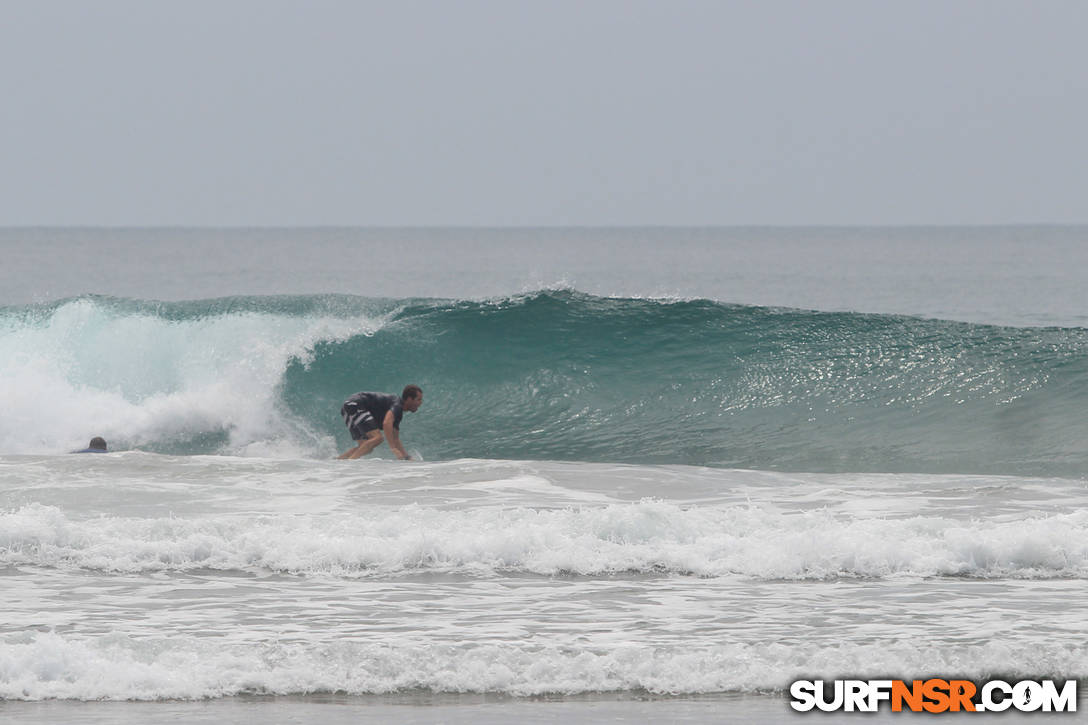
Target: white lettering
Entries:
(988, 702)
(994, 696)
(821, 697)
(856, 696)
(1027, 696)
(1065, 701)
(803, 693)
(879, 690)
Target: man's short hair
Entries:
(411, 391)
(98, 444)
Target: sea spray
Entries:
(114, 667)
(648, 538)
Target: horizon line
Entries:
(912, 225)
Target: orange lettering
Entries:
(912, 695)
(936, 691)
(961, 692)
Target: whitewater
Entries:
(647, 488)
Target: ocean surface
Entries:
(660, 473)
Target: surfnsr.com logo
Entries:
(933, 695)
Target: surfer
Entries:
(97, 445)
(370, 415)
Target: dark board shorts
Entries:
(358, 420)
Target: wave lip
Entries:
(649, 537)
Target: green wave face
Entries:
(562, 375)
(555, 374)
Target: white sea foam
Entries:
(643, 537)
(90, 370)
(45, 665)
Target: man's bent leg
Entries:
(373, 440)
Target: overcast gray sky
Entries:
(500, 112)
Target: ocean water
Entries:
(661, 473)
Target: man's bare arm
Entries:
(393, 437)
